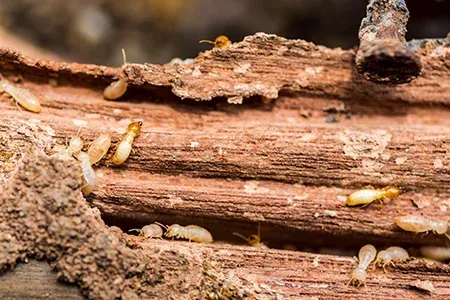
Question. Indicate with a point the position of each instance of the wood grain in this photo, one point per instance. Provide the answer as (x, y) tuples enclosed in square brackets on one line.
[(231, 167), (35, 280)]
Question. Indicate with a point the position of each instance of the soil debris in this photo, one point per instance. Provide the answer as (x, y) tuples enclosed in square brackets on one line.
[(44, 215)]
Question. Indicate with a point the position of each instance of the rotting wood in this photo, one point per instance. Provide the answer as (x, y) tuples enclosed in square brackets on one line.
[(383, 55), (178, 151), (262, 65), (108, 264), (125, 193), (49, 219), (323, 276), (36, 281), (309, 154)]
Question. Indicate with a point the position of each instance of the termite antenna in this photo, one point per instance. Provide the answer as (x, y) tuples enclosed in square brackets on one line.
[(447, 236), (350, 281), (124, 57), (240, 235), (206, 41), (134, 229), (162, 225), (79, 131)]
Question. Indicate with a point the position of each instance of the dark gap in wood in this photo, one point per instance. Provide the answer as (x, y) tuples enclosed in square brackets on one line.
[(275, 236)]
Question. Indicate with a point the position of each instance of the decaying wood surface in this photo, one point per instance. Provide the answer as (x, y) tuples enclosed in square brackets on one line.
[(36, 281), (383, 55), (276, 163)]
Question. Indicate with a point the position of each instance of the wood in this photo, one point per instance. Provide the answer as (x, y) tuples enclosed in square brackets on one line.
[(383, 55), (323, 276), (231, 167), (35, 280)]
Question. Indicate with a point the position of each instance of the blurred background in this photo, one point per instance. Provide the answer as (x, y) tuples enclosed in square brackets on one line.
[(94, 31)]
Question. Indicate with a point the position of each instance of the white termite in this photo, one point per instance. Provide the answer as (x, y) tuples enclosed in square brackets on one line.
[(438, 253), (150, 231), (88, 175), (75, 145), (125, 146), (420, 224), (391, 255), (191, 232), (99, 147), (24, 97), (366, 255), (117, 88)]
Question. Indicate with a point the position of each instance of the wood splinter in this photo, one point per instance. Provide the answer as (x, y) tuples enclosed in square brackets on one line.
[(383, 55)]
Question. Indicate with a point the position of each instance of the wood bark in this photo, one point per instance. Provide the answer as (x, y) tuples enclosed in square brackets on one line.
[(276, 163)]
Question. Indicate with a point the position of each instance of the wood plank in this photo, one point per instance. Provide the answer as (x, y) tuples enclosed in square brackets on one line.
[(35, 280)]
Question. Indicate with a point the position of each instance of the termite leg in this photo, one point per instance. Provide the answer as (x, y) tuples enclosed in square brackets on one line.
[(366, 204), (423, 234), (18, 106), (381, 203)]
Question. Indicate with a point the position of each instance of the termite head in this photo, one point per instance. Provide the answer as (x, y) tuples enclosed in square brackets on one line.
[(173, 230), (359, 276), (440, 227), (220, 42), (392, 192), (383, 258), (151, 231), (135, 127), (76, 143), (254, 240)]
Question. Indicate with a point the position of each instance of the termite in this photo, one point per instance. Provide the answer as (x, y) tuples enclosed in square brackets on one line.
[(88, 174), (99, 147), (117, 88), (367, 196), (419, 224), (253, 240), (220, 42), (191, 232), (124, 148), (75, 144), (22, 96), (365, 257), (150, 231), (390, 255), (435, 252)]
